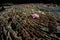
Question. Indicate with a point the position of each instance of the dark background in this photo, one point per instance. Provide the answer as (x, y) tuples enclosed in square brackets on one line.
[(30, 1)]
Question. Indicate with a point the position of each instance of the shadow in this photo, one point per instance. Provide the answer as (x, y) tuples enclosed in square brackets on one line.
[(30, 1), (2, 9)]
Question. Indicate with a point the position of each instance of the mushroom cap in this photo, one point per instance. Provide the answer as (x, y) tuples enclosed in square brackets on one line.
[(35, 15)]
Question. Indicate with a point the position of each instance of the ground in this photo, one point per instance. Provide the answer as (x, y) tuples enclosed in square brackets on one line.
[(16, 22)]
